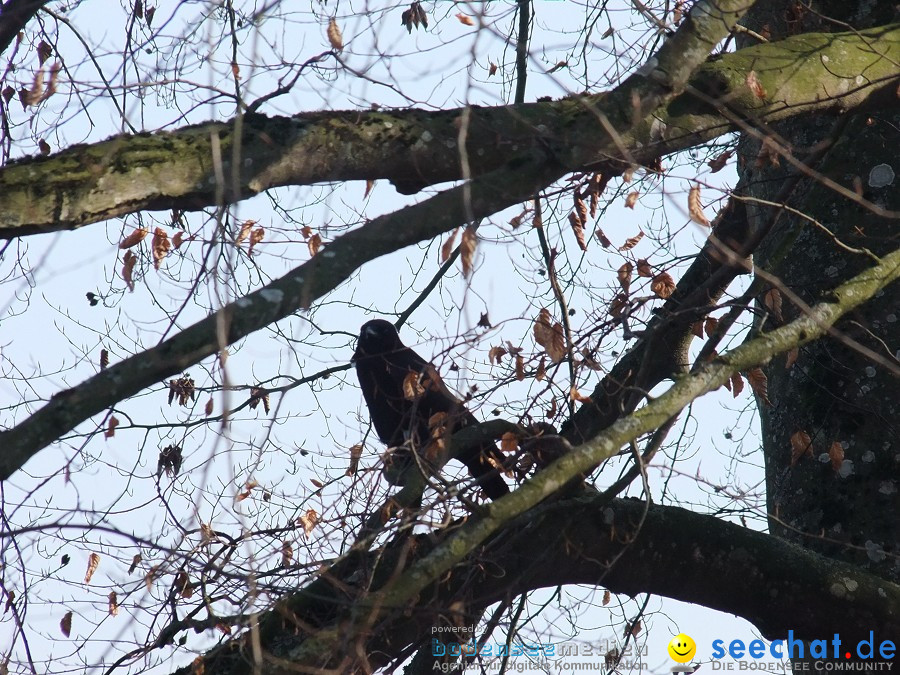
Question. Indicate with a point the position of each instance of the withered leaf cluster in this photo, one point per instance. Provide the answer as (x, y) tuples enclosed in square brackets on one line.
[(414, 16), (183, 388), (258, 394), (169, 460), (549, 335)]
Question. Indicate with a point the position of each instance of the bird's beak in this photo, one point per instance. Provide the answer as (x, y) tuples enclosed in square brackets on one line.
[(370, 331)]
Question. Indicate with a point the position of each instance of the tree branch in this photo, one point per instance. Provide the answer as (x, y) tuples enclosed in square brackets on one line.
[(590, 540), (175, 169), (14, 16)]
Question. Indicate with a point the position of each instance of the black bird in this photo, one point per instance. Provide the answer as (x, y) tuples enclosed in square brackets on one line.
[(405, 396)]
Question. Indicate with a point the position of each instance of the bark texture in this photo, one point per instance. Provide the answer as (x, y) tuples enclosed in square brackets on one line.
[(833, 392)]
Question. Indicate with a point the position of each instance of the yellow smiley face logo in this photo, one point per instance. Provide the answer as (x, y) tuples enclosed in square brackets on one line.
[(682, 648)]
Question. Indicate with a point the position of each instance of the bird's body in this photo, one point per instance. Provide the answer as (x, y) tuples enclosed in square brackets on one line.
[(407, 398)]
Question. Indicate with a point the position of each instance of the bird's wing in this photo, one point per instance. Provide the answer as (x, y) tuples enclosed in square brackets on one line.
[(388, 409)]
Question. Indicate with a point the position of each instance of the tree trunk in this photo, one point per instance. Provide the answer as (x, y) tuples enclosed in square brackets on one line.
[(845, 398)]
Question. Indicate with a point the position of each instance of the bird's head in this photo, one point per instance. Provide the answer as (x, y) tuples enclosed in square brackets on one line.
[(377, 337)]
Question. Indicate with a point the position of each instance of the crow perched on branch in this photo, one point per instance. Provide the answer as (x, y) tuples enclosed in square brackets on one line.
[(410, 406)]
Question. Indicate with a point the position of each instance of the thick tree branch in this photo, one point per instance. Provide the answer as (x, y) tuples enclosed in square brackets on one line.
[(87, 184), (670, 552), (14, 15)]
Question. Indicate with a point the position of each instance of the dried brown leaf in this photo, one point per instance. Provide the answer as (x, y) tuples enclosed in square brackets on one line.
[(632, 242), (412, 386), (644, 269), (314, 244), (355, 454), (308, 521), (161, 246), (697, 328), (44, 51), (93, 564), (551, 411), (695, 209), (550, 336), (559, 66), (113, 604), (465, 20), (604, 240), (737, 384), (369, 185), (183, 585), (509, 442), (752, 81), (34, 95), (66, 624), (581, 209), (624, 275), (772, 301), (631, 199), (520, 368), (541, 371), (287, 553), (242, 234), (791, 358), (111, 427), (447, 246), (578, 229), (151, 576), (104, 358), (256, 236), (136, 237), (801, 444), (759, 383), (135, 561), (710, 325), (44, 147), (496, 354), (618, 304), (836, 455), (663, 285), (54, 79), (769, 154), (576, 395), (718, 163), (467, 248), (335, 39)]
